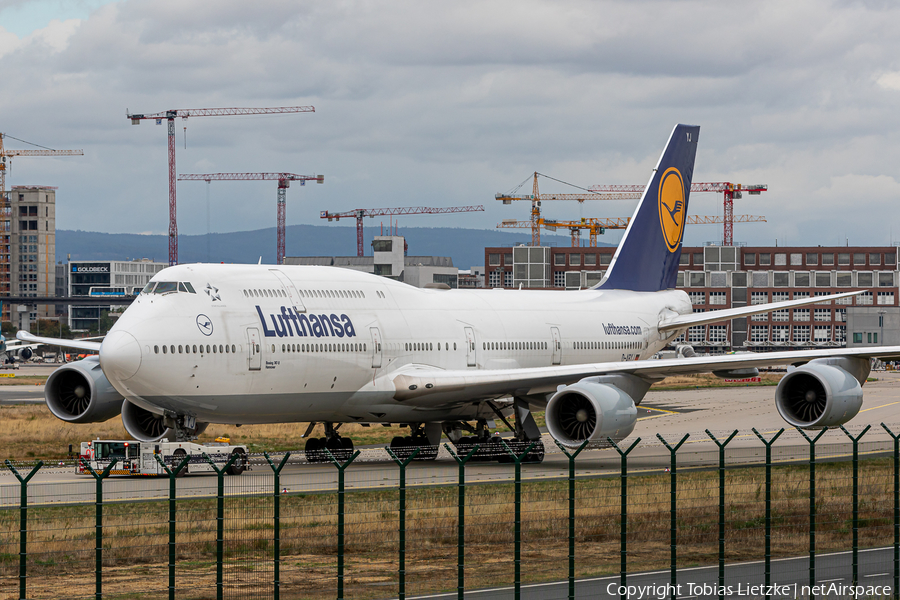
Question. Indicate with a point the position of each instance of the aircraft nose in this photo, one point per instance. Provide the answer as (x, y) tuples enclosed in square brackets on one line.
[(120, 355)]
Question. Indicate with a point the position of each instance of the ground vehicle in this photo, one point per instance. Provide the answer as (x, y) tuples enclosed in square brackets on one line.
[(139, 458)]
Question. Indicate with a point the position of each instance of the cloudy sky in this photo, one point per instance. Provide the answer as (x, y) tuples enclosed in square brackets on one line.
[(448, 103)]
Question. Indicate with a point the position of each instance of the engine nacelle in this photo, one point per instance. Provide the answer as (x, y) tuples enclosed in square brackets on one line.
[(594, 409), (24, 354), (146, 426), (79, 392), (823, 393)]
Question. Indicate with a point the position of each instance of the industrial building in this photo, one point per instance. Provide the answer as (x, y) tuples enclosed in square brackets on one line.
[(105, 278), (389, 260), (718, 277)]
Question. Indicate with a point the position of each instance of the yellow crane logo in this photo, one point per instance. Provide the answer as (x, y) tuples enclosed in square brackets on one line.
[(672, 205)]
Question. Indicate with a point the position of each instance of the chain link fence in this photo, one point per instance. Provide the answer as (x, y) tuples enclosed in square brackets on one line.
[(376, 525)]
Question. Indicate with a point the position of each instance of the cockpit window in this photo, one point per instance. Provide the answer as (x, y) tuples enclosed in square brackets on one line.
[(148, 289), (164, 287), (189, 287)]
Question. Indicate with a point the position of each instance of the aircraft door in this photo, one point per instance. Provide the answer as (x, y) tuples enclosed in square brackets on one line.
[(291, 290), (254, 343), (557, 345), (470, 347), (376, 347)]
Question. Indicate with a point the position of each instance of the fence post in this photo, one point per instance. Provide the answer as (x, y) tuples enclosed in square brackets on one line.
[(896, 439), (341, 468), (401, 559), (812, 504), (721, 446), (855, 441), (623, 534), (572, 511), (461, 519), (277, 521), (673, 522), (517, 527), (768, 557), (23, 522), (220, 522), (172, 475), (98, 527)]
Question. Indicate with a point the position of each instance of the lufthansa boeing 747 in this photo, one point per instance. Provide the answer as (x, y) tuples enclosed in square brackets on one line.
[(211, 343)]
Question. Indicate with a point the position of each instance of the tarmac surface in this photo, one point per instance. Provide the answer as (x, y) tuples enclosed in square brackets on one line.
[(670, 414)]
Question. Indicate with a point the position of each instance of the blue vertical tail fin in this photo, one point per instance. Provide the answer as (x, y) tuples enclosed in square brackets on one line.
[(648, 255)]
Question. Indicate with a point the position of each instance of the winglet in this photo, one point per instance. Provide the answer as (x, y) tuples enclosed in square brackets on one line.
[(648, 255)]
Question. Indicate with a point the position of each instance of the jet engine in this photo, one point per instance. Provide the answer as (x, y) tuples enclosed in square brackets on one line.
[(24, 354), (80, 393), (148, 426), (823, 393), (594, 409)]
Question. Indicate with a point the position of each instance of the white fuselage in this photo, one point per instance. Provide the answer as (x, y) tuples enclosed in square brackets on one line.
[(262, 344)]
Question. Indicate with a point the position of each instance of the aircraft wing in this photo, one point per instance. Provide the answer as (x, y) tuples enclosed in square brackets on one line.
[(422, 385), (78, 344), (714, 316)]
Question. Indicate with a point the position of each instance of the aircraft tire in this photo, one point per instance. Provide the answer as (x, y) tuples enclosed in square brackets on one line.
[(239, 464), (313, 450)]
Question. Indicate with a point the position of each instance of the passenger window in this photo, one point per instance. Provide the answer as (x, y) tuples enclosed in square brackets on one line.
[(220, 348), (164, 349), (179, 348), (232, 348), (194, 348), (226, 348), (207, 348), (214, 349), (156, 349)]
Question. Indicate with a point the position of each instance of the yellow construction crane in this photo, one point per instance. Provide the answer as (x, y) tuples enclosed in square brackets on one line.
[(7, 155), (536, 198), (596, 227)]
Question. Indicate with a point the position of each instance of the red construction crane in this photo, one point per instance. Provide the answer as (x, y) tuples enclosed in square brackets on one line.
[(730, 191), (536, 197), (284, 182), (359, 213), (169, 116)]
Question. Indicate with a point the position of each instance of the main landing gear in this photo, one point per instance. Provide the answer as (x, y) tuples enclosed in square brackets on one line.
[(426, 437), (490, 447), (340, 447)]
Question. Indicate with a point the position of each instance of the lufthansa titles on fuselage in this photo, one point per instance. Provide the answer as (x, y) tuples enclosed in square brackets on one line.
[(613, 329), (289, 324)]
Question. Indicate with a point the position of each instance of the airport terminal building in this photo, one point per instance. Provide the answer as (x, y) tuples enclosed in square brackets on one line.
[(718, 277), (105, 278), (389, 260)]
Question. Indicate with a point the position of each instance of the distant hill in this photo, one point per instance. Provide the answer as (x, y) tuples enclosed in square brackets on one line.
[(464, 246)]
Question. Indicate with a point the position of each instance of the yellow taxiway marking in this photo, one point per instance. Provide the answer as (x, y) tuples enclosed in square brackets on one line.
[(880, 406), (660, 410)]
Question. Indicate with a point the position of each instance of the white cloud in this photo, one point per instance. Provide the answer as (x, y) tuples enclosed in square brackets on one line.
[(889, 81), (448, 103)]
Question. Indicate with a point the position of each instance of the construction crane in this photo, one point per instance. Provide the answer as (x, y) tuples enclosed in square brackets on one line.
[(9, 154), (597, 227), (284, 182), (731, 191), (359, 213), (169, 116), (536, 198)]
